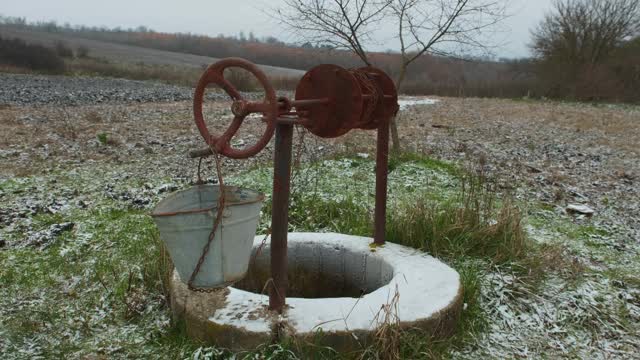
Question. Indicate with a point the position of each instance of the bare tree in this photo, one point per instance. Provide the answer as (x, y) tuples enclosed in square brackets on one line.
[(586, 31), (445, 27), (574, 42), (343, 24), (440, 27)]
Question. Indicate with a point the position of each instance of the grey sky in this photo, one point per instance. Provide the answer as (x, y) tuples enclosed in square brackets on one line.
[(214, 17)]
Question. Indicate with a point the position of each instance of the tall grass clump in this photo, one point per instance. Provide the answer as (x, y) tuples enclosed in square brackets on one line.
[(242, 80), (466, 218), (473, 222), (140, 71), (63, 50)]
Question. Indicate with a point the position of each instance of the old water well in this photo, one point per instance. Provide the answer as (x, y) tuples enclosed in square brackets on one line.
[(297, 284)]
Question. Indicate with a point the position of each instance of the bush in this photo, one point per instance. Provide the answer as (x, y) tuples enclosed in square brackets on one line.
[(82, 52), (63, 50), (18, 53)]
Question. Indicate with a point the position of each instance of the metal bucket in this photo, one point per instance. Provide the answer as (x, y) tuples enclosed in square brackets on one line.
[(185, 220)]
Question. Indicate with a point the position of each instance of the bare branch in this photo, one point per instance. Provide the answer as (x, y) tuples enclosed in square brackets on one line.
[(586, 31), (346, 24), (436, 24), (439, 27)]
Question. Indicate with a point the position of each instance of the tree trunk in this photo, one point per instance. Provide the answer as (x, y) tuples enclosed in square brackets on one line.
[(395, 139)]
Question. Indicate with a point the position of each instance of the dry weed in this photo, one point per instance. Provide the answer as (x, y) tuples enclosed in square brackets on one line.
[(388, 333), (93, 116)]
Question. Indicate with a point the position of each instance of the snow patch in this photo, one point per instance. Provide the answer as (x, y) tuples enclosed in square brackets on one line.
[(406, 102)]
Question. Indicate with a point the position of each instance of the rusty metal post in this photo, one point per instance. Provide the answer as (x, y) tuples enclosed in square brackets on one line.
[(382, 168), (280, 215)]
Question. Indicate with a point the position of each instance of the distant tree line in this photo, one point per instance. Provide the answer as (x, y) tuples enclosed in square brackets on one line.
[(575, 56), (20, 54), (431, 74)]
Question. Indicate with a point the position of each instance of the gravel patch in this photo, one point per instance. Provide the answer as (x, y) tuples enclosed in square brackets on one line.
[(555, 158), (20, 89)]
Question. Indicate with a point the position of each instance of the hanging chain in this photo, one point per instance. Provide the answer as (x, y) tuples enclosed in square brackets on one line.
[(221, 205), (216, 223), (259, 249), (199, 181)]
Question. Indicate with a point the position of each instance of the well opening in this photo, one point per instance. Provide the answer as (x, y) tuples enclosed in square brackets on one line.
[(317, 270)]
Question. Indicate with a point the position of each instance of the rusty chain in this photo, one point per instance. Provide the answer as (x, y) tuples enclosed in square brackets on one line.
[(221, 205), (371, 87), (216, 223)]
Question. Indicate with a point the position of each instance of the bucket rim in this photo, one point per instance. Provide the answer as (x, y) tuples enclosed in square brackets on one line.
[(260, 197)]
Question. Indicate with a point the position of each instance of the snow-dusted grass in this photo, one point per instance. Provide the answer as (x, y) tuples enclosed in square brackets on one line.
[(434, 206), (338, 194), (89, 292), (97, 290)]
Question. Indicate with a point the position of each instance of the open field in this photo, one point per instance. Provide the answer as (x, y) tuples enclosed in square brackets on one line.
[(81, 271), (119, 53)]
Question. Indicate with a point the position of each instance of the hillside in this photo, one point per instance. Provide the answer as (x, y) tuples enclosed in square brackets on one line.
[(428, 75), (115, 52)]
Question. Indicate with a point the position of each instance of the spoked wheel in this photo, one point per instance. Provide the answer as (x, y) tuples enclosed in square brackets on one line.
[(240, 108)]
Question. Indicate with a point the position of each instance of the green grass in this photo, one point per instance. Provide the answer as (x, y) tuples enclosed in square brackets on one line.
[(465, 220), (109, 271), (397, 159), (433, 206), (102, 138), (311, 213), (587, 234), (468, 225), (15, 185), (101, 288)]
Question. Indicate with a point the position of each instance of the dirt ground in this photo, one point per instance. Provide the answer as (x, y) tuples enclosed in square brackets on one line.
[(557, 153), (549, 155)]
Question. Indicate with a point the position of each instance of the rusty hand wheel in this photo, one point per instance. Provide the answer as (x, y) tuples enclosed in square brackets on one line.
[(240, 108)]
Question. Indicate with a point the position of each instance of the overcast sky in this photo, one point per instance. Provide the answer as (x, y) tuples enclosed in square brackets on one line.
[(213, 17)]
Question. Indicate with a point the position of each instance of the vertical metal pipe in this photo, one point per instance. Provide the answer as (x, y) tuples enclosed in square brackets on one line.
[(280, 215), (382, 167)]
